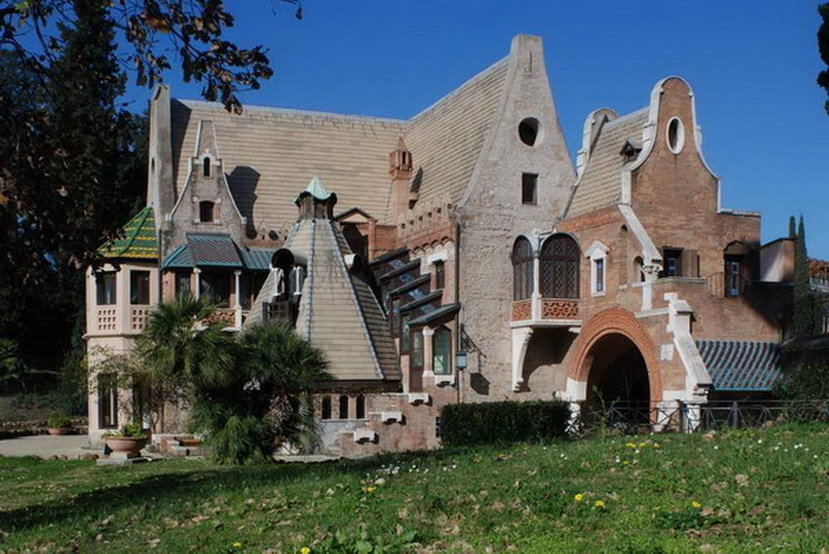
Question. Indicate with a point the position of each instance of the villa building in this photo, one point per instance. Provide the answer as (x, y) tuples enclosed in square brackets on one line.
[(457, 256)]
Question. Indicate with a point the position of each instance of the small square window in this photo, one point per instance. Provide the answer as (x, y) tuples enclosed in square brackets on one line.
[(529, 188), (207, 212)]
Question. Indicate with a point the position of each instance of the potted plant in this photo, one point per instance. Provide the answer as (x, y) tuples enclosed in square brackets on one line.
[(59, 424), (128, 442)]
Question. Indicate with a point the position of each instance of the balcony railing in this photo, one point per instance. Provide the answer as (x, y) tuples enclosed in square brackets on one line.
[(546, 309)]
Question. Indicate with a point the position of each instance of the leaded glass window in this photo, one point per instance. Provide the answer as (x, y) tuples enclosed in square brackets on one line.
[(522, 266), (559, 261)]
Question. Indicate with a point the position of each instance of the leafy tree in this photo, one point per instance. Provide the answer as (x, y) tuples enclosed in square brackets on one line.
[(71, 170), (823, 46)]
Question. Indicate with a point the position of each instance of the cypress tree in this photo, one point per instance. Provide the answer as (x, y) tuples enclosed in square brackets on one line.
[(792, 228), (803, 320)]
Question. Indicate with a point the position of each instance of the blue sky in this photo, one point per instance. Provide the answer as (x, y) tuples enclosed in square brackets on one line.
[(752, 66)]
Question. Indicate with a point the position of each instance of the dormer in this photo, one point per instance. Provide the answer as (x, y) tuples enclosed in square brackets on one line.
[(206, 203)]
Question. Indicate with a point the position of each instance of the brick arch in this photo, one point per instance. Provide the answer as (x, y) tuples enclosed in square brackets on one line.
[(619, 322)]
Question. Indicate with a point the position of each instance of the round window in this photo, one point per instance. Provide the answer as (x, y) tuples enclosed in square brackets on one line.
[(528, 131), (676, 135)]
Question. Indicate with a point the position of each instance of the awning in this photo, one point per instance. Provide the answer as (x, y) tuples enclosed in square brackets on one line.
[(741, 365)]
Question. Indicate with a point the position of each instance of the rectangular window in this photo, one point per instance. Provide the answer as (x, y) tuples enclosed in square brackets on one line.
[(417, 349), (732, 277), (440, 275), (105, 288), (529, 186), (405, 336), (672, 258), (140, 287), (215, 288), (183, 283), (107, 401), (599, 269)]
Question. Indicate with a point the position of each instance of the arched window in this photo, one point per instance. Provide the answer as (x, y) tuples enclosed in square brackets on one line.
[(522, 267), (206, 166), (559, 259), (442, 351), (361, 407), (638, 267), (207, 211), (326, 407), (343, 407)]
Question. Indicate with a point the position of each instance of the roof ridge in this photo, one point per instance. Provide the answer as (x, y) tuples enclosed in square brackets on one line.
[(296, 112), (460, 88)]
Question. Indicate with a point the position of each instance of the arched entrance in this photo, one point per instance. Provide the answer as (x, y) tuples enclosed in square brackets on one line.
[(618, 374)]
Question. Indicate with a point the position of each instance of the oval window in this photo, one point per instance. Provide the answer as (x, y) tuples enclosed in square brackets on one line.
[(528, 131), (676, 135)]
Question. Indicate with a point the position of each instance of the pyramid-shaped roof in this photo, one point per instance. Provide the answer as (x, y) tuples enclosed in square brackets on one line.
[(139, 240)]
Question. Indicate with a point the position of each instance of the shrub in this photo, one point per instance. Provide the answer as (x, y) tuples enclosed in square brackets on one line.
[(59, 421), (503, 422)]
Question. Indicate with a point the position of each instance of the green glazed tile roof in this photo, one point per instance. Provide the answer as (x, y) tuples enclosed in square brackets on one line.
[(741, 365), (139, 240)]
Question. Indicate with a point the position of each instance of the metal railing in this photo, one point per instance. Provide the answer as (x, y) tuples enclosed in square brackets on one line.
[(643, 418)]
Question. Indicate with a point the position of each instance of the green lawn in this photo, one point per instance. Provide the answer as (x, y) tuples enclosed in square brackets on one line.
[(740, 491)]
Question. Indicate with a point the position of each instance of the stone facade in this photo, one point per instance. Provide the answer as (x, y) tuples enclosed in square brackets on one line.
[(466, 230)]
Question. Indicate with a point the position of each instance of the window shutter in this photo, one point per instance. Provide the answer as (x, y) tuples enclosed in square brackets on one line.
[(690, 263)]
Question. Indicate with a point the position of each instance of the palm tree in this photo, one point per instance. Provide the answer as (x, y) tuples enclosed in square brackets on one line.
[(179, 350)]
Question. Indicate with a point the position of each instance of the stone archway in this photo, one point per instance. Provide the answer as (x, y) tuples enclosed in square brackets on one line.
[(615, 352), (618, 374)]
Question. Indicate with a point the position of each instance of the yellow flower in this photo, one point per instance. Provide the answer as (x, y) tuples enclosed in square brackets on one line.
[(370, 489), (304, 550), (630, 445), (579, 497), (643, 444), (696, 505), (599, 504), (237, 544)]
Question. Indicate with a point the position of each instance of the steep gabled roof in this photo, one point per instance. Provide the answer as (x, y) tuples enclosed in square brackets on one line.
[(267, 151), (139, 240), (600, 185), (446, 139)]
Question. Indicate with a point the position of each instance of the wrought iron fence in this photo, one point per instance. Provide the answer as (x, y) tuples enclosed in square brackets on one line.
[(678, 416)]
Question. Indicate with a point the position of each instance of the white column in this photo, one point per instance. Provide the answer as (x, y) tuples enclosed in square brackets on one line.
[(428, 350), (237, 275), (535, 303), (197, 291), (520, 341)]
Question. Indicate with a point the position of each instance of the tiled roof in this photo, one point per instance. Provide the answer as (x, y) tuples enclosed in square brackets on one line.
[(269, 152), (440, 313), (338, 311), (209, 249), (601, 184), (179, 258), (217, 250), (446, 138), (741, 365), (258, 259), (139, 239)]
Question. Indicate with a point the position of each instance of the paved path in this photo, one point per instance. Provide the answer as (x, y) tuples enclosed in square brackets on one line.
[(46, 446)]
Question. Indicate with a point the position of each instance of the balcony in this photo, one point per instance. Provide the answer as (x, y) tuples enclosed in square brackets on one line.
[(546, 312)]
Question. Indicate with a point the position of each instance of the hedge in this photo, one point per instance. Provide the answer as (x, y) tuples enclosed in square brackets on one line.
[(503, 422)]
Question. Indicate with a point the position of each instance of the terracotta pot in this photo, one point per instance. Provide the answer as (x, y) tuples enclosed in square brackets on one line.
[(58, 430), (126, 446)]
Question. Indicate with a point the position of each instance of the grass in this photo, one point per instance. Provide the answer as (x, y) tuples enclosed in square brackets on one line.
[(740, 491)]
